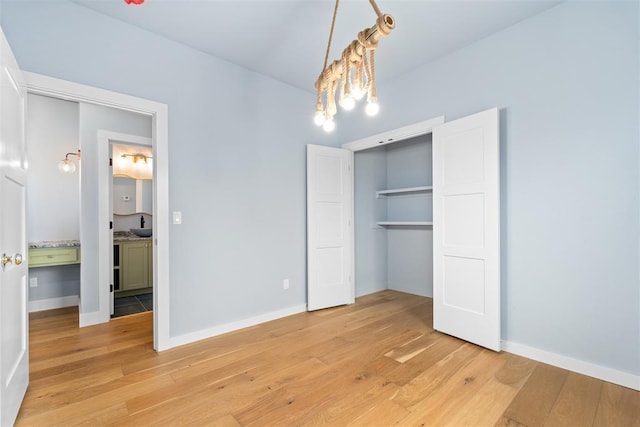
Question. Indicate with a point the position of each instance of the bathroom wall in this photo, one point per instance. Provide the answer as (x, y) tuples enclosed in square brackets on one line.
[(53, 198), (127, 222), (132, 199)]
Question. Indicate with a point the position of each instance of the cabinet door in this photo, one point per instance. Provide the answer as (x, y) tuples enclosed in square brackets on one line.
[(135, 265), (150, 264)]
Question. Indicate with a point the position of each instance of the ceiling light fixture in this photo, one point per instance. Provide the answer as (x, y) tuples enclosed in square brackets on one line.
[(354, 74), (66, 165)]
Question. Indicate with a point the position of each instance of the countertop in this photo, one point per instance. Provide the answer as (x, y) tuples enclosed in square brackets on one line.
[(118, 236), (127, 236), (54, 244)]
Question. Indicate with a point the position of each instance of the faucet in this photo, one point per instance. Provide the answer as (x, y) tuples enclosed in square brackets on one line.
[(141, 221)]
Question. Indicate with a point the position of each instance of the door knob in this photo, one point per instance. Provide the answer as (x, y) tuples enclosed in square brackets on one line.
[(6, 260), (17, 259)]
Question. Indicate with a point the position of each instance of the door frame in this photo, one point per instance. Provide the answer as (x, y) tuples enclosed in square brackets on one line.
[(105, 213), (62, 89), (396, 135)]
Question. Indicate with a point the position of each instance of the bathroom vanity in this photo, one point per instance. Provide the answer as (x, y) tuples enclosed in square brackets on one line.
[(53, 253), (132, 262)]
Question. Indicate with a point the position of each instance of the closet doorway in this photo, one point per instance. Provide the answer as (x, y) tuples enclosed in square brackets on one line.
[(464, 217)]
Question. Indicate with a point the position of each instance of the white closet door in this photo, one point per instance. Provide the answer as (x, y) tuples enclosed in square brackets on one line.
[(329, 227), (466, 229)]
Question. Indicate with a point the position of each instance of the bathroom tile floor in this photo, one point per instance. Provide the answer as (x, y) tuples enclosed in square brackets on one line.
[(132, 305)]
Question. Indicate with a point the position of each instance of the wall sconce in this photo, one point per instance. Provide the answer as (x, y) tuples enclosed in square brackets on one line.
[(66, 165)]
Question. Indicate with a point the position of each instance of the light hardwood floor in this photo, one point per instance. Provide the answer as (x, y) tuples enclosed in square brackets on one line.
[(375, 363)]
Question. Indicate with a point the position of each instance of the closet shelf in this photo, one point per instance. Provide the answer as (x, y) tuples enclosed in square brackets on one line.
[(405, 223), (399, 191)]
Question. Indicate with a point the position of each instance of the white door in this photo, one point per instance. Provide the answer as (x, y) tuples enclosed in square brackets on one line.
[(14, 349), (329, 227), (466, 229), (110, 247)]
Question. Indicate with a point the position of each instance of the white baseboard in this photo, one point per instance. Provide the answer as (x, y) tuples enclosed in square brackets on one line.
[(614, 376), (53, 303), (234, 326)]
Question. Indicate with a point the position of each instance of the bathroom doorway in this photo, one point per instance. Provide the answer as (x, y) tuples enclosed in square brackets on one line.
[(131, 217)]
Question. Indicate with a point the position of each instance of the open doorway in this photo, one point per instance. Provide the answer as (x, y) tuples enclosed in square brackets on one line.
[(131, 196), (94, 230)]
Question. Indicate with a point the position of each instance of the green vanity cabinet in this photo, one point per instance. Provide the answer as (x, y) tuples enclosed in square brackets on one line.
[(51, 256), (135, 266)]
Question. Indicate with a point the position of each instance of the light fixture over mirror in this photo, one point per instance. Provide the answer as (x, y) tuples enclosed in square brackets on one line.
[(132, 161), (135, 158), (67, 165)]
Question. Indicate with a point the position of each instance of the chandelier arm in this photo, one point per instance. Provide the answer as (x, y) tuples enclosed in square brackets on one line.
[(343, 80), (373, 95), (333, 24), (375, 7)]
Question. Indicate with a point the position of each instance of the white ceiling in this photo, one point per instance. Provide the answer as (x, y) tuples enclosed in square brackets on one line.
[(287, 39)]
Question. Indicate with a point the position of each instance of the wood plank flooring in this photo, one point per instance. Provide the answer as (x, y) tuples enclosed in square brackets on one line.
[(377, 362)]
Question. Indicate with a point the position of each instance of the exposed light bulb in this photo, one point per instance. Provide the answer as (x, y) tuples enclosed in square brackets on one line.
[(319, 118), (66, 166), (372, 108), (357, 92), (347, 102), (329, 125)]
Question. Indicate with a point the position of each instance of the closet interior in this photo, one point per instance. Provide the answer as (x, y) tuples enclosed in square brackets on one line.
[(393, 213)]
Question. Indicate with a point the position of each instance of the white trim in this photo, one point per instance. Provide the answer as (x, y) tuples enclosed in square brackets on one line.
[(614, 376), (234, 326), (399, 134), (91, 318), (159, 113), (53, 303)]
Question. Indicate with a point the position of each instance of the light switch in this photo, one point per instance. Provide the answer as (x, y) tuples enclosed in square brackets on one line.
[(177, 217)]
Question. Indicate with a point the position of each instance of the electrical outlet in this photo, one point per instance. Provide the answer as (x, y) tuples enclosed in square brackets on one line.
[(285, 284), (33, 282)]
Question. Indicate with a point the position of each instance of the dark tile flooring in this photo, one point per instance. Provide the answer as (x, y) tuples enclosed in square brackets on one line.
[(132, 305)]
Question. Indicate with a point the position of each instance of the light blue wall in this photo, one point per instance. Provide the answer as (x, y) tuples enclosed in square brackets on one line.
[(55, 282), (53, 198), (399, 258), (410, 249), (93, 118), (237, 156), (370, 175), (567, 84)]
